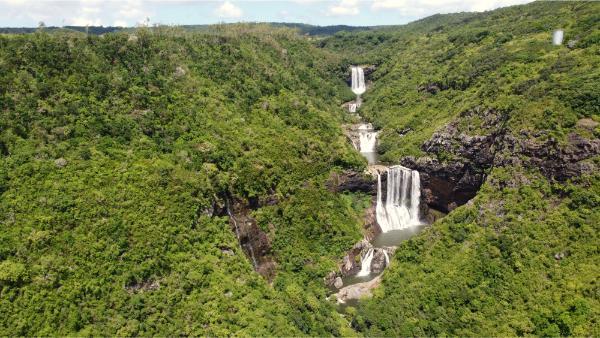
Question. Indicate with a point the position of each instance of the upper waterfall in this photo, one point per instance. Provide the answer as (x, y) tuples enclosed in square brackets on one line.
[(358, 80), (401, 207)]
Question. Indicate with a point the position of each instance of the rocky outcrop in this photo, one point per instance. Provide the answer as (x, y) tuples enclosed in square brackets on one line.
[(254, 242), (358, 290), (351, 181), (444, 186), (554, 160), (379, 262), (457, 161)]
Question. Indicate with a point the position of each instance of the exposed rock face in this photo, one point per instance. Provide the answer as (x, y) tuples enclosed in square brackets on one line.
[(379, 263), (60, 162), (351, 181), (457, 163), (255, 242), (358, 290), (452, 182), (444, 186), (351, 262), (371, 228), (338, 283), (555, 161)]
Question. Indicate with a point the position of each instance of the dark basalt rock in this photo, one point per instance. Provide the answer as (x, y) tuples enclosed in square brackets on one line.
[(378, 264), (444, 186), (457, 163), (560, 162), (254, 242), (351, 181)]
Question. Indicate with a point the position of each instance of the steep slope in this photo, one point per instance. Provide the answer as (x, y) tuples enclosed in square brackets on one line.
[(484, 105), (119, 154)]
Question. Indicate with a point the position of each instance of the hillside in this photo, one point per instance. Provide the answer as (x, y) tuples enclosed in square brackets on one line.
[(198, 181), (119, 156), (484, 106)]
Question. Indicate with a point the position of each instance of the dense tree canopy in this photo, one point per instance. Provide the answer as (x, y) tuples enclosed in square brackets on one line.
[(116, 150)]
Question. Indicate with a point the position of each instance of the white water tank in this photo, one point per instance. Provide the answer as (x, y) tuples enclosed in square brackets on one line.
[(557, 37)]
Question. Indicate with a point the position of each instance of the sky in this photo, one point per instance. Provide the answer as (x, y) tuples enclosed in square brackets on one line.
[(29, 13)]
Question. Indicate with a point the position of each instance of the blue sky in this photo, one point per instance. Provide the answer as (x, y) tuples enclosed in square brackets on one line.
[(26, 13)]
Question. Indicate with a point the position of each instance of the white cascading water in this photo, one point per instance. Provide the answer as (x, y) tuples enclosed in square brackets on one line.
[(368, 138), (387, 258), (352, 107), (358, 80), (557, 37), (365, 264), (401, 207)]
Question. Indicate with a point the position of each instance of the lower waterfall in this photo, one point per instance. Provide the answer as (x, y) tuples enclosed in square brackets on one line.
[(365, 264), (401, 207), (387, 258)]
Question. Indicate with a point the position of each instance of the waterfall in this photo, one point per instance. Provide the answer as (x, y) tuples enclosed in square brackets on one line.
[(387, 258), (352, 107), (401, 207), (358, 80), (235, 224), (368, 138), (557, 38), (365, 264)]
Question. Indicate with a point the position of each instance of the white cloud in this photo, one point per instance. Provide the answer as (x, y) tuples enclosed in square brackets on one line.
[(344, 8), (74, 12), (428, 7), (228, 10), (84, 21), (120, 23)]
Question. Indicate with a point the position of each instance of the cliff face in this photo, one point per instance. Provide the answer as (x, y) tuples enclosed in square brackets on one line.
[(456, 163), (254, 242)]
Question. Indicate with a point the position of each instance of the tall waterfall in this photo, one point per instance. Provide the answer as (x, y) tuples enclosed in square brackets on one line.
[(401, 207), (365, 263), (557, 37), (368, 138), (358, 80)]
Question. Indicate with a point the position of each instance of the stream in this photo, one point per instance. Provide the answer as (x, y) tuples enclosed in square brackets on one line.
[(397, 207)]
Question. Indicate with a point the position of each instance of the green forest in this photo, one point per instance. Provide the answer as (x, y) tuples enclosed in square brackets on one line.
[(121, 152)]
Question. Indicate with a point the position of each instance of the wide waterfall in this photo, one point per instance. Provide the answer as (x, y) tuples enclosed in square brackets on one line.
[(401, 207), (367, 138), (365, 264), (358, 80)]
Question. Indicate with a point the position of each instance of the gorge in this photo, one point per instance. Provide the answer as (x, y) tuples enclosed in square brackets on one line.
[(439, 178), (399, 210)]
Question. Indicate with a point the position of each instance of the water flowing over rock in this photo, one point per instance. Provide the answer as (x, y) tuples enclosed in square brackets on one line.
[(367, 138), (365, 264), (352, 107), (358, 80), (254, 242), (403, 194)]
